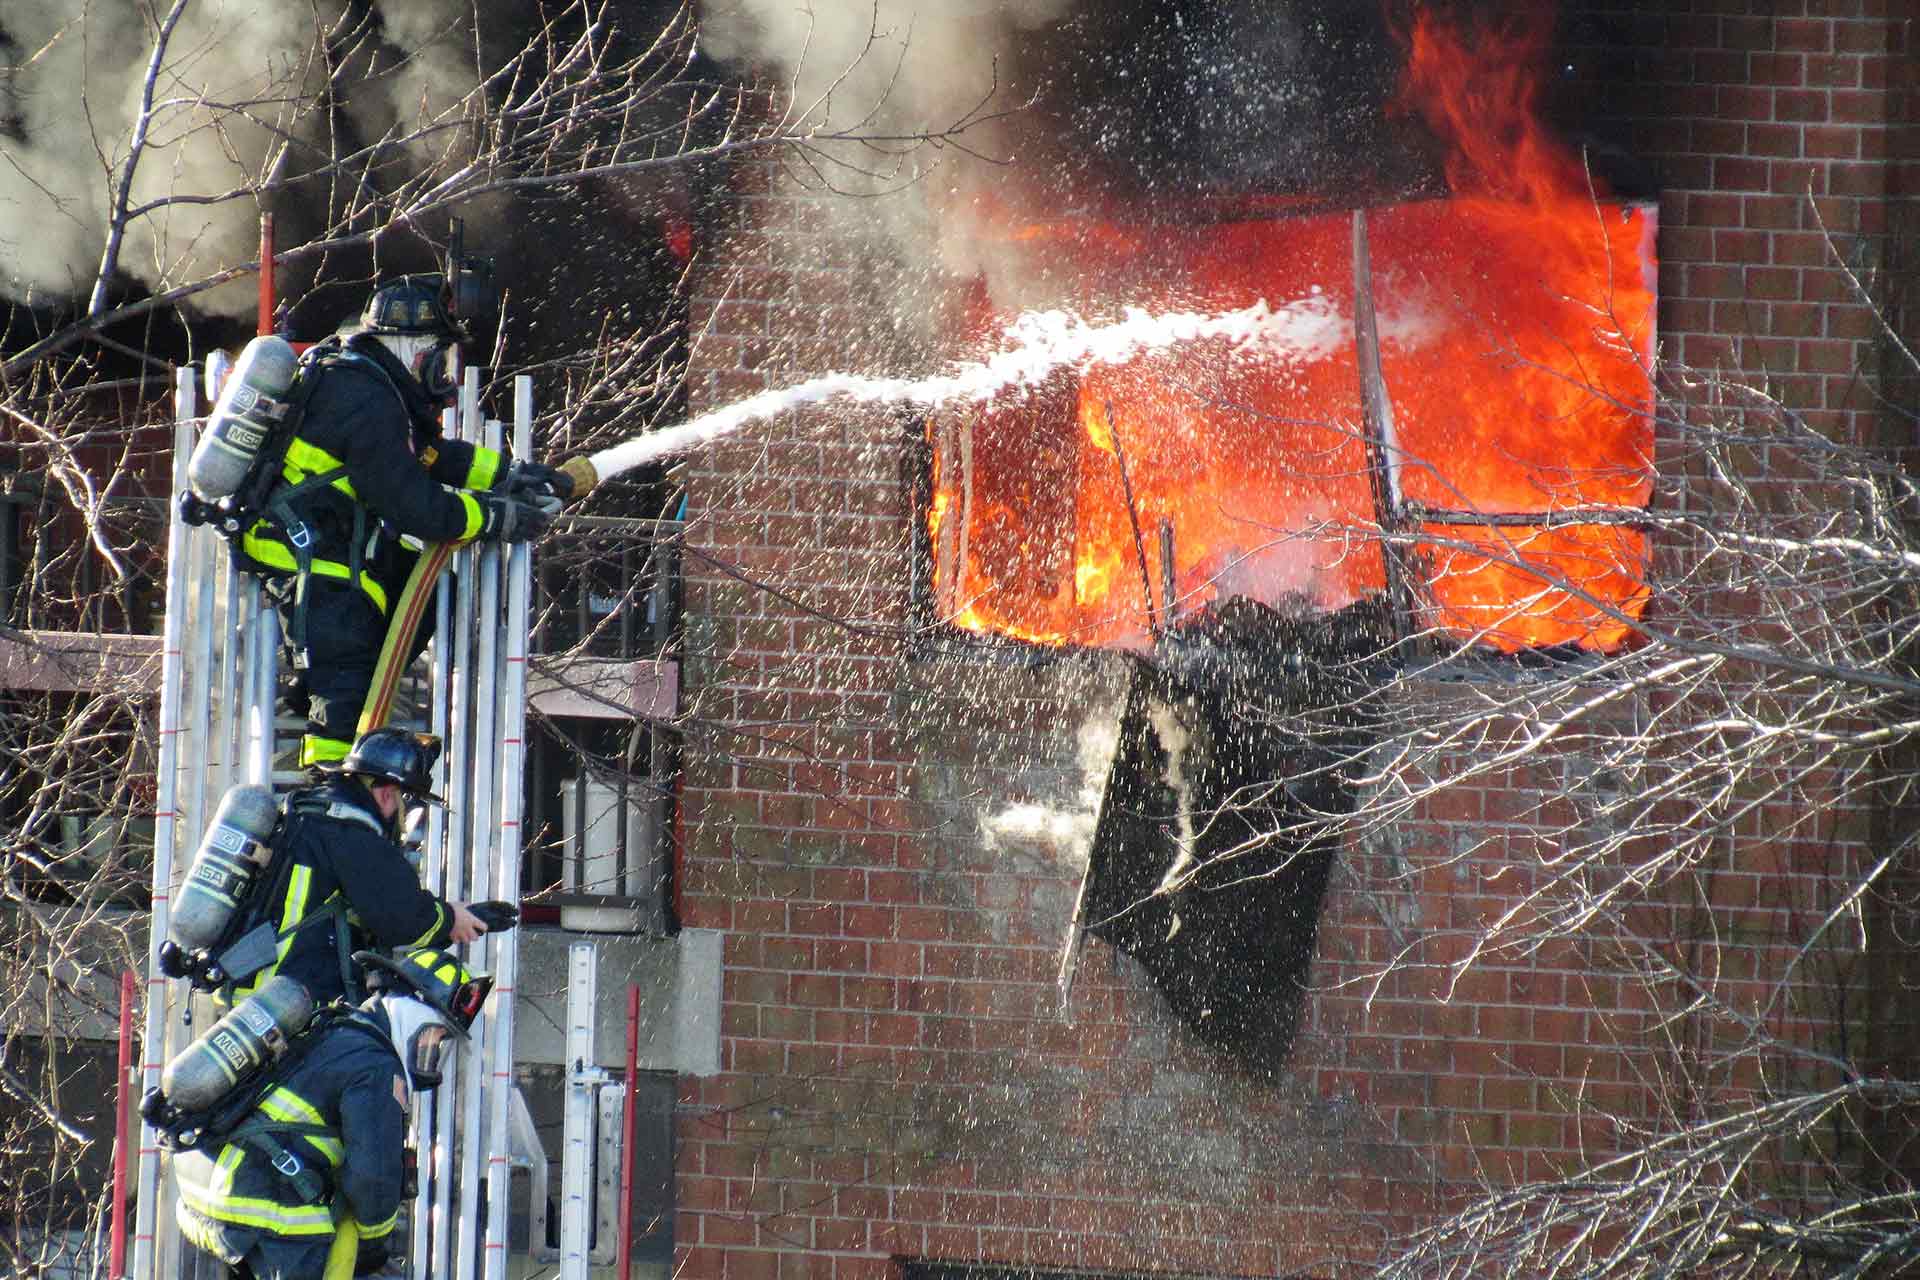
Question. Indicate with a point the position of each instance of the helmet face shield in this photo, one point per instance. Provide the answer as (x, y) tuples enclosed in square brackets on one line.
[(468, 998), (420, 1037)]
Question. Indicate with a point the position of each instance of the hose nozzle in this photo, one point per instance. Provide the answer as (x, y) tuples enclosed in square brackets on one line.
[(581, 472)]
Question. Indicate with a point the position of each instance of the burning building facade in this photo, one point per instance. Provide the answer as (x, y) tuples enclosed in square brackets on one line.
[(1150, 812)]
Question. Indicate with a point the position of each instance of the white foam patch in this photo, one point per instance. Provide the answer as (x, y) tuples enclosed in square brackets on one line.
[(1064, 831)]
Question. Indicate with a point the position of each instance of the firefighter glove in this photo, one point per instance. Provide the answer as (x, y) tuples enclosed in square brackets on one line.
[(515, 518), (497, 916), (538, 479)]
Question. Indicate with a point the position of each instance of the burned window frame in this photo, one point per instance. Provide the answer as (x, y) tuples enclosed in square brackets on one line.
[(1399, 520)]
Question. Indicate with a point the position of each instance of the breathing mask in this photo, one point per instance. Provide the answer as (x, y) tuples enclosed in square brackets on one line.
[(420, 1036), (433, 359)]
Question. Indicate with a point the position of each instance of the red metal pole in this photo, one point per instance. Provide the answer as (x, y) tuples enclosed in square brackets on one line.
[(626, 1132), (117, 1255), (265, 323)]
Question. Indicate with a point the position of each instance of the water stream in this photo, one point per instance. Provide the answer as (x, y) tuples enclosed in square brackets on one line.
[(1035, 344)]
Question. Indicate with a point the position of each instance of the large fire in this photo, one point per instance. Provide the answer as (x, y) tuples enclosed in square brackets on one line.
[(1515, 333)]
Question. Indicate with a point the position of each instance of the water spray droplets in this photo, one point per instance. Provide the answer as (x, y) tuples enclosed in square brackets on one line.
[(1037, 343)]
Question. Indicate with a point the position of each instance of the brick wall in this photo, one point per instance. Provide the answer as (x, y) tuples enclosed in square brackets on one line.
[(897, 1080), (1781, 131)]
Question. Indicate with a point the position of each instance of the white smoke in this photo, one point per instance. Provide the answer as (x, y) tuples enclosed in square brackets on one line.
[(903, 68), (234, 101), (901, 64), (1063, 831)]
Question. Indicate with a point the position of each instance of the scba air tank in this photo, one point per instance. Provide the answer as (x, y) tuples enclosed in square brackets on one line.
[(253, 400), (253, 1033), (231, 854)]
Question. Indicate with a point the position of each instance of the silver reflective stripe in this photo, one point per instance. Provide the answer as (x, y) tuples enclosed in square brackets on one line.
[(354, 813)]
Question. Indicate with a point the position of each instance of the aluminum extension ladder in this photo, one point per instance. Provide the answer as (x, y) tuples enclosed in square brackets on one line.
[(218, 727)]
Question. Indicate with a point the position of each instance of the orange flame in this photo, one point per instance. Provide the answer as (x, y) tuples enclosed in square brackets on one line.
[(1516, 330), (1479, 92)]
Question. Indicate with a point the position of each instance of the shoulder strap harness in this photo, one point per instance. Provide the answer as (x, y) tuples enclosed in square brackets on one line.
[(277, 502), (266, 1137)]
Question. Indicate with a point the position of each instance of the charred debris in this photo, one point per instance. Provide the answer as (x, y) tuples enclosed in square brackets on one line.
[(1240, 751)]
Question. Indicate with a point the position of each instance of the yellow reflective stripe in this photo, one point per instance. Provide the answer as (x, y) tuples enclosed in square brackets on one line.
[(439, 918), (316, 750), (276, 554), (284, 1104), (299, 885), (216, 1200), (474, 518), (252, 1211), (448, 971), (485, 468), (379, 1229), (304, 460)]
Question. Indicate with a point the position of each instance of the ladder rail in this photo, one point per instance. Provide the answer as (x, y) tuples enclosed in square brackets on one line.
[(460, 745), (433, 1114), (483, 763), (506, 887), (147, 1213), (577, 1135)]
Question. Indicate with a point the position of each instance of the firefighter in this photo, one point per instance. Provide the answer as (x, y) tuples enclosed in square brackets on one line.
[(366, 480), (348, 882), (309, 1183)]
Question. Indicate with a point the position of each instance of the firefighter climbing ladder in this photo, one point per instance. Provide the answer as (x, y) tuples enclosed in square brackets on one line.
[(218, 727)]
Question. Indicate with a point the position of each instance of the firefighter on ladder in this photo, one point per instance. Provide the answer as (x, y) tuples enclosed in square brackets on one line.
[(366, 480), (310, 1183), (348, 883)]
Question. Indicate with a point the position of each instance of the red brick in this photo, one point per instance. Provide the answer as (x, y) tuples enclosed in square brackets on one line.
[(1825, 286), (752, 1264), (1866, 180), (1781, 140), (1802, 249), (1765, 283), (1542, 1060), (1807, 106), (1810, 35), (1774, 213), (1738, 173), (1834, 72), (1711, 282), (1781, 70), (1835, 142), (1798, 177), (1826, 357), (1858, 107), (1681, 315), (1719, 137), (1861, 37), (1743, 102), (1797, 320), (1851, 322)]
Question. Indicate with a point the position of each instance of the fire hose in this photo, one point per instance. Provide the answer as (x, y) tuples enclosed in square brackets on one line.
[(395, 650)]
